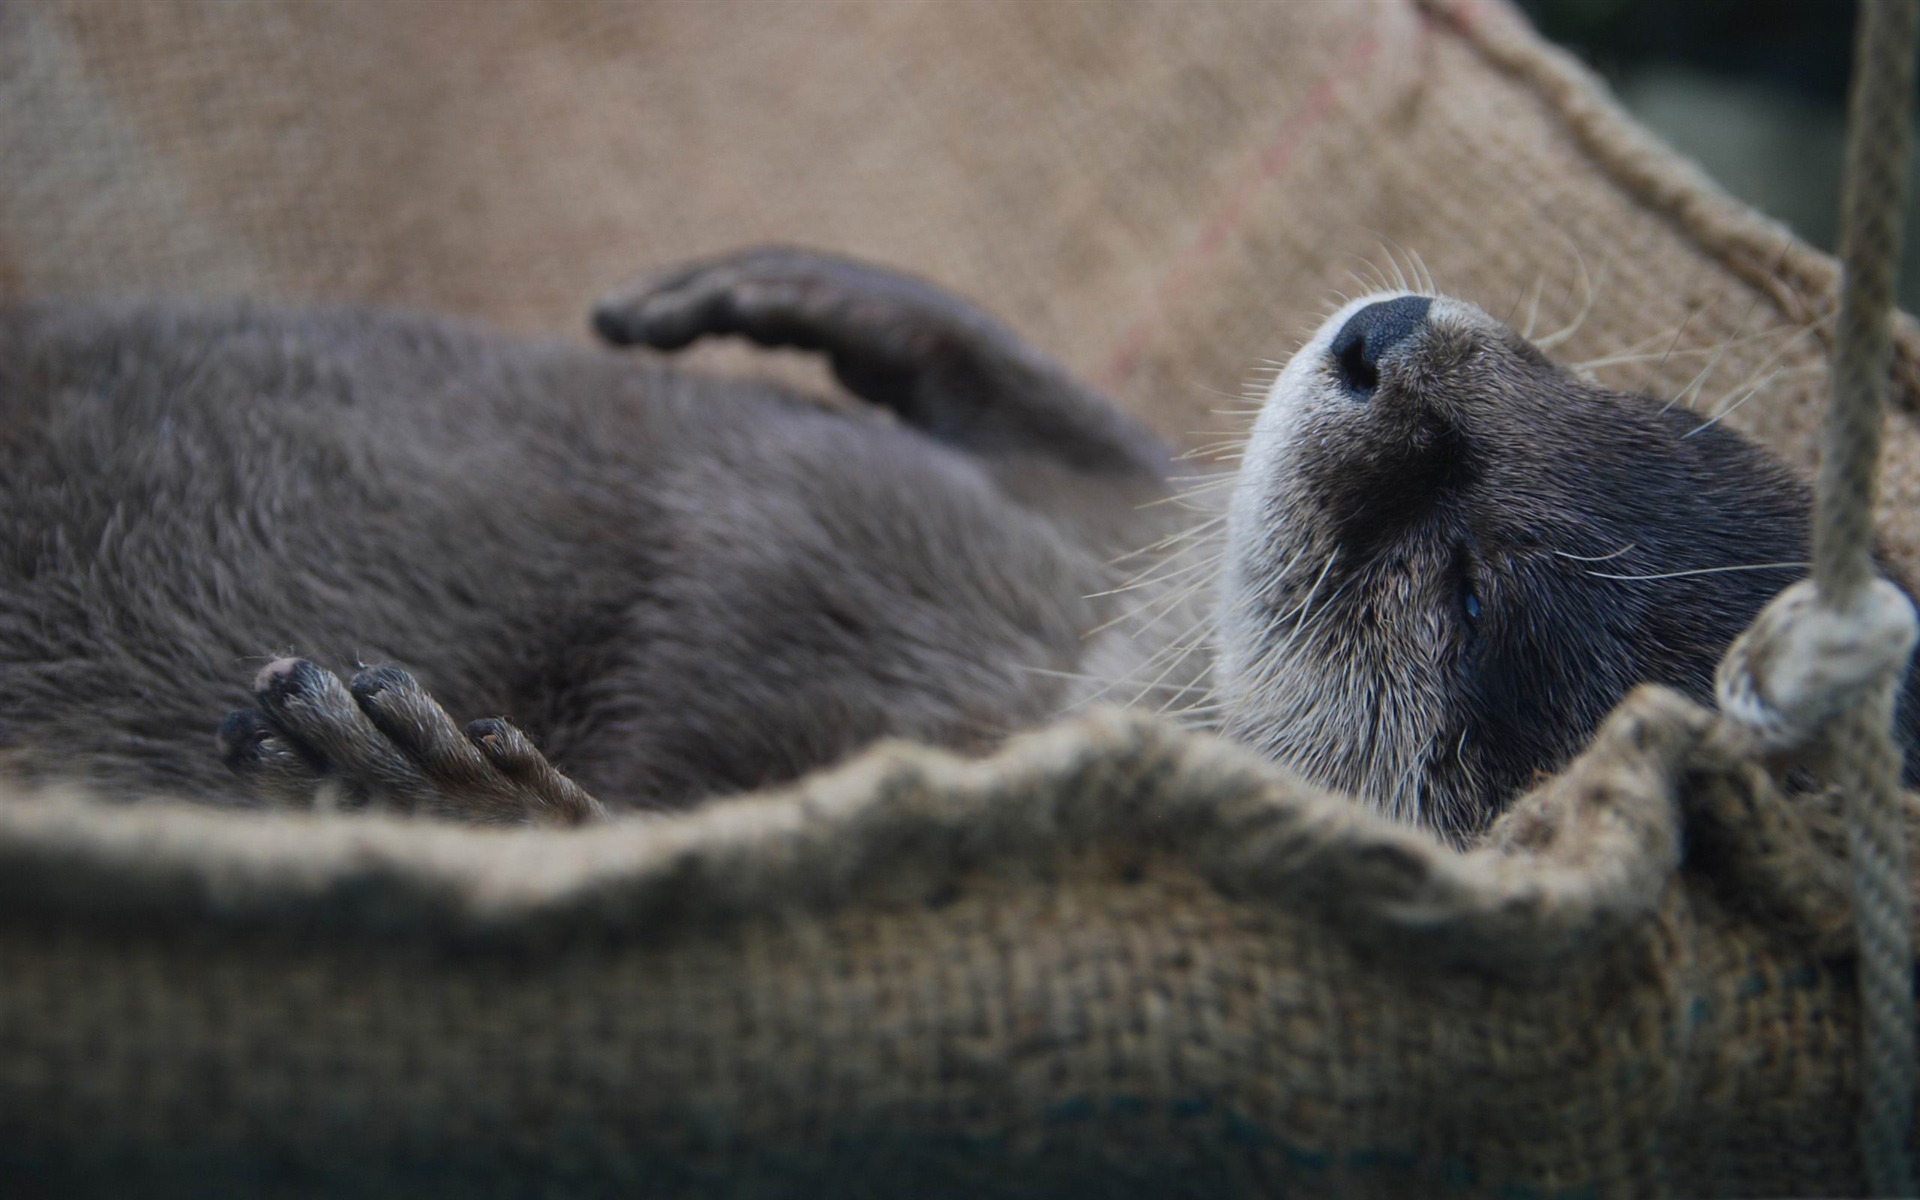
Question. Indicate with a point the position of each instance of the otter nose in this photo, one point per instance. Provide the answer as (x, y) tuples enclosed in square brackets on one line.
[(1367, 336)]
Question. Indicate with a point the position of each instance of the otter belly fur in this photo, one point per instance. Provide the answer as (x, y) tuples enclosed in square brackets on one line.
[(1445, 558)]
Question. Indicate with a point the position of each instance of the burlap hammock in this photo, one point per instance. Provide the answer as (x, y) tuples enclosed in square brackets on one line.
[(1115, 959)]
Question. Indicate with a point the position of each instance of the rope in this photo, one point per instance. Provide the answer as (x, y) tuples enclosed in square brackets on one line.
[(1866, 765), (1821, 665)]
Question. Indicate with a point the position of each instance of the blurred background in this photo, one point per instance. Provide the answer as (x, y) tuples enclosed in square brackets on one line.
[(1166, 194), (1755, 91)]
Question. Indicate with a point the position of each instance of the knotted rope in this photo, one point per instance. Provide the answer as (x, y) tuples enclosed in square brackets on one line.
[(1822, 665)]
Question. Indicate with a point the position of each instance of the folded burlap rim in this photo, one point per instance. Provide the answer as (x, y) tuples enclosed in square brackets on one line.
[(1803, 281), (1586, 854)]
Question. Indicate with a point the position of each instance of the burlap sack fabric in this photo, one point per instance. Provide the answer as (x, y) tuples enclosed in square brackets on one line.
[(1117, 959)]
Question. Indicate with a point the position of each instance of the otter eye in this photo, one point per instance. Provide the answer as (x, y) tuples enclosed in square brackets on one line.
[(1463, 577)]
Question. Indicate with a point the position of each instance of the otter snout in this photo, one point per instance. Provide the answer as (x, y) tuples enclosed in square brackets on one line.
[(1369, 335)]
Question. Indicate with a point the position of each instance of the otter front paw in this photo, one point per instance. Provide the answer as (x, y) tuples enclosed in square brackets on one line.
[(383, 742), (937, 361), (881, 330)]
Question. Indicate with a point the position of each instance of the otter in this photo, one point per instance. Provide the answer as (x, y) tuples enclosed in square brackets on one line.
[(678, 586), (1445, 557)]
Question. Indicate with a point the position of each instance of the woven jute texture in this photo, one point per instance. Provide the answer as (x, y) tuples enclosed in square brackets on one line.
[(1115, 960)]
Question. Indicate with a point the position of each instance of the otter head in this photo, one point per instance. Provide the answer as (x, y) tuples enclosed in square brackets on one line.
[(1448, 558)]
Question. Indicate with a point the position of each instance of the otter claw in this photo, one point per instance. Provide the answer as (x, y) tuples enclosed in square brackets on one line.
[(381, 740)]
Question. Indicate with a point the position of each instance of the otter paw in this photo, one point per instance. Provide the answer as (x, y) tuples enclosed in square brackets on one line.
[(382, 741), (879, 328)]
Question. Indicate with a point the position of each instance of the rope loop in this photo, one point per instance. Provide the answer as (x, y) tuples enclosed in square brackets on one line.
[(1805, 661)]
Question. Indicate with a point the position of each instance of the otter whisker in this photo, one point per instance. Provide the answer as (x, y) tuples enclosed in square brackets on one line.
[(1362, 286), (1421, 282), (1080, 677), (1506, 318), (1414, 763), (1415, 272), (1198, 716), (1400, 275), (1217, 452), (1209, 700), (1202, 689), (1749, 393), (1647, 349), (1302, 614), (1635, 352), (1208, 483), (1685, 395), (1171, 646), (1713, 363), (1201, 629), (1223, 450), (1399, 279), (1601, 558), (1137, 584), (1533, 304), (1189, 533), (1374, 268), (1679, 333), (1586, 305), (1214, 391), (1182, 689), (1779, 566), (1222, 436), (1196, 638), (1633, 355), (1164, 605), (1185, 591), (1763, 375), (1432, 288), (1155, 608), (1227, 479), (1196, 539), (1378, 281), (1210, 449)]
